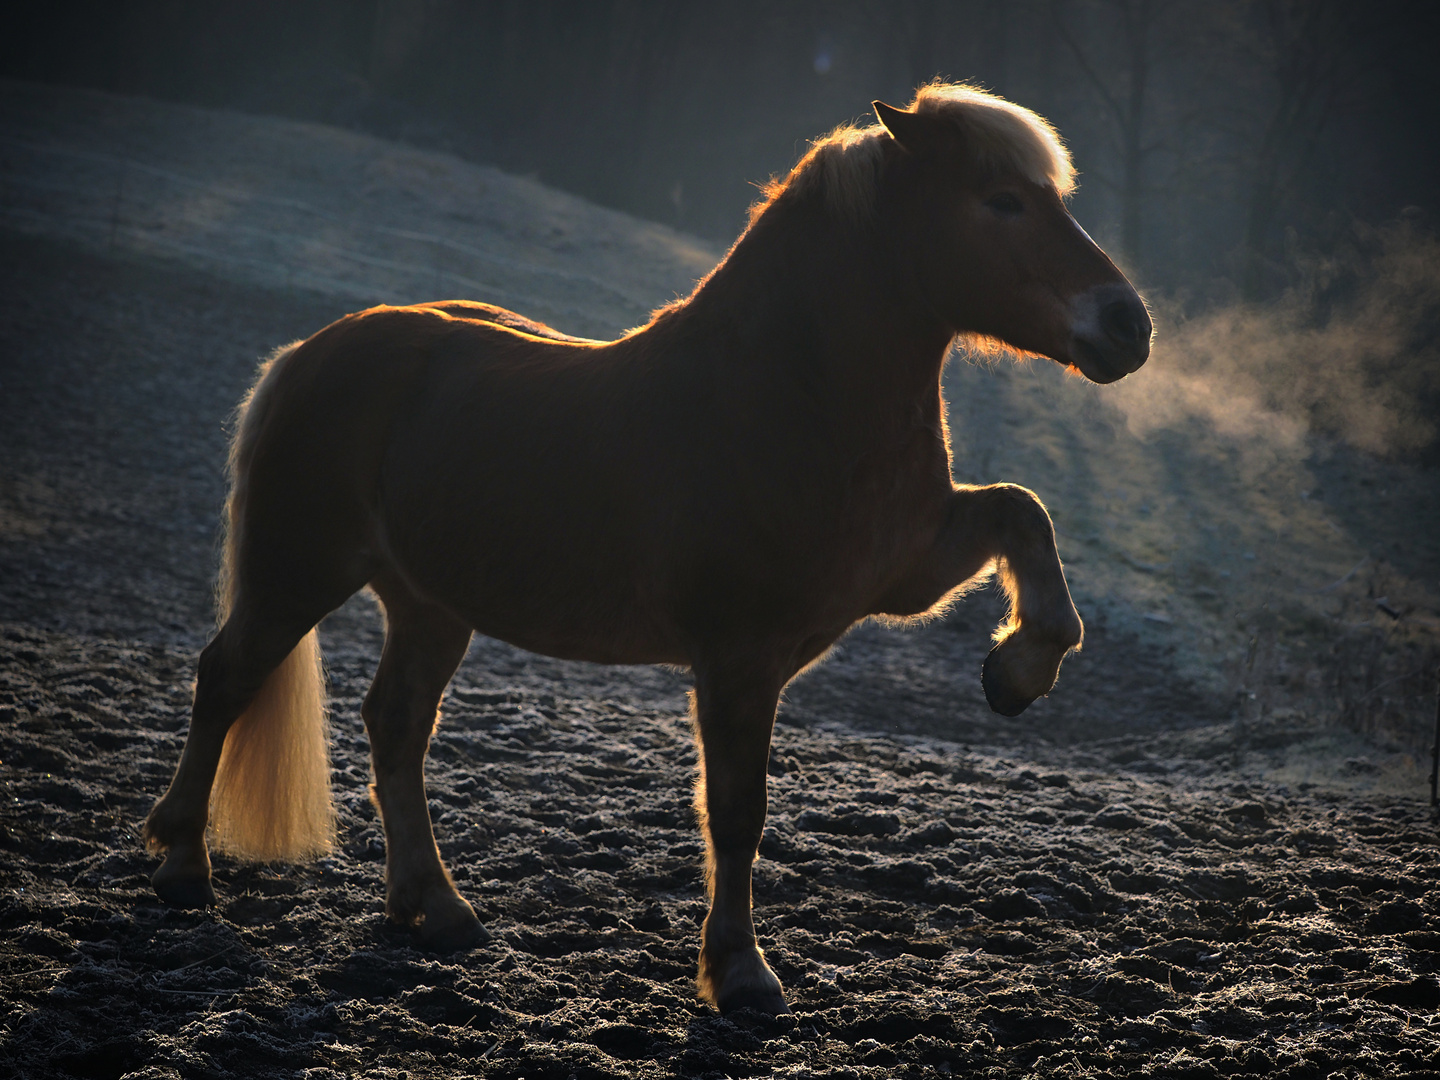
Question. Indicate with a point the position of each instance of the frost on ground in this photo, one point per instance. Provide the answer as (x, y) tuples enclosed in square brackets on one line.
[(1163, 869), (932, 909)]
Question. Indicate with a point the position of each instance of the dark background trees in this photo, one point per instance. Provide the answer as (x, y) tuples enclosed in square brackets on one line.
[(1206, 131)]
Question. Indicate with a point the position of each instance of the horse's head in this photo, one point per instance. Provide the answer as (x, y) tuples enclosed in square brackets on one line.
[(981, 186)]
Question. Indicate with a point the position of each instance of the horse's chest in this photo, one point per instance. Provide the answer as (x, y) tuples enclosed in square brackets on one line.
[(894, 504)]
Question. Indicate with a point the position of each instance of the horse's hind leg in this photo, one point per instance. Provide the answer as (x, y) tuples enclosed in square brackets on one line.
[(232, 669), (423, 646), (734, 714)]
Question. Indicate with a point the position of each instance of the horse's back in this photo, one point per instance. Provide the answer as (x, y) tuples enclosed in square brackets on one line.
[(498, 316), (355, 379)]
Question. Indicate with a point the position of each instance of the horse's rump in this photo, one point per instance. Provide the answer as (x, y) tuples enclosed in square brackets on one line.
[(487, 464)]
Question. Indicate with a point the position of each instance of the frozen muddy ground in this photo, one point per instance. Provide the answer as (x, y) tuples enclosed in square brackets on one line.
[(1138, 877)]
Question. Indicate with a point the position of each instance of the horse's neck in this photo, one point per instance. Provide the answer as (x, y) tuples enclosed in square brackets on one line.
[(833, 308)]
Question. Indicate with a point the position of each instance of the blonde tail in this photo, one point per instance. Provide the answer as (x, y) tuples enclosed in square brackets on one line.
[(271, 798)]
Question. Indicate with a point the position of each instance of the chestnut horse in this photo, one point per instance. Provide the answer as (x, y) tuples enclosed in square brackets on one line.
[(728, 488)]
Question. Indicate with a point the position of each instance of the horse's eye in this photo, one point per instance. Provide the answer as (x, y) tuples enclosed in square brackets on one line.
[(1004, 203)]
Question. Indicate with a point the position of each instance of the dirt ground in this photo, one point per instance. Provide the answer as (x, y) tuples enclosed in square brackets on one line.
[(1177, 865)]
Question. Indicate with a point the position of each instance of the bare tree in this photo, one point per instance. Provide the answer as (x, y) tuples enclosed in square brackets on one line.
[(946, 38), (915, 32), (1123, 94), (1305, 43)]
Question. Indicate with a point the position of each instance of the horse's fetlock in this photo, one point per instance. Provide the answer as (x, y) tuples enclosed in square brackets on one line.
[(164, 827), (448, 922), (706, 983), (183, 878), (154, 833), (155, 842), (1073, 632), (414, 900), (404, 904)]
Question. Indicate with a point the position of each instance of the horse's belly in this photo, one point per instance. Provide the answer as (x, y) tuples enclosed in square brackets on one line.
[(564, 588), (622, 645), (600, 615)]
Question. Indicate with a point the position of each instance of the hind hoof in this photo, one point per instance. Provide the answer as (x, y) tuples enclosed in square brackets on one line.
[(762, 1000), (187, 893), (1000, 695)]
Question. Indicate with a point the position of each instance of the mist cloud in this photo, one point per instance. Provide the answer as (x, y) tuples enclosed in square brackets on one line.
[(1351, 351)]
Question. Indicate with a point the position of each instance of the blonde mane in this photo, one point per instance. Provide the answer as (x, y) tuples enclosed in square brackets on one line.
[(844, 166)]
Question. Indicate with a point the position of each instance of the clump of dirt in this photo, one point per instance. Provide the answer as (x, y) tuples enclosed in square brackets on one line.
[(1151, 872)]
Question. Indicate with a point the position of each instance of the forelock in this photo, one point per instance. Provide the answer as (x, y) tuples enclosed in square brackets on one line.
[(1003, 134), (844, 166)]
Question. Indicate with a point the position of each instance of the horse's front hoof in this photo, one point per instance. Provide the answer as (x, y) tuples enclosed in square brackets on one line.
[(183, 892), (1001, 693), (765, 1000), (741, 980), (1024, 666), (454, 938), (452, 929)]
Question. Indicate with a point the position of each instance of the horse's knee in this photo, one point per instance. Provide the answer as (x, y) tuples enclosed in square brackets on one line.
[(734, 833), (399, 728), (1022, 520)]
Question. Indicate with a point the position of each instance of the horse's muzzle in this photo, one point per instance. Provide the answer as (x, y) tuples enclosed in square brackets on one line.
[(1110, 333)]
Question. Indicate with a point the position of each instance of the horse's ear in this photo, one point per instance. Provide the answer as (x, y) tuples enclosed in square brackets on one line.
[(905, 128)]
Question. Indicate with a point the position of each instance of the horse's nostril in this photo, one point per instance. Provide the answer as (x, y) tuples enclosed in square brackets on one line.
[(1126, 321)]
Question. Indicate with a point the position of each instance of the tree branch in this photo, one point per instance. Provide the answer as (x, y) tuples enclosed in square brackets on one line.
[(1084, 62)]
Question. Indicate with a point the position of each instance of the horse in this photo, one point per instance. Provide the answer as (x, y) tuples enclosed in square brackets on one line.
[(728, 489)]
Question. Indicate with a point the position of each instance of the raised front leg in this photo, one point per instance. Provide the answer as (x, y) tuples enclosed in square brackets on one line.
[(734, 714), (423, 647), (1004, 526)]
